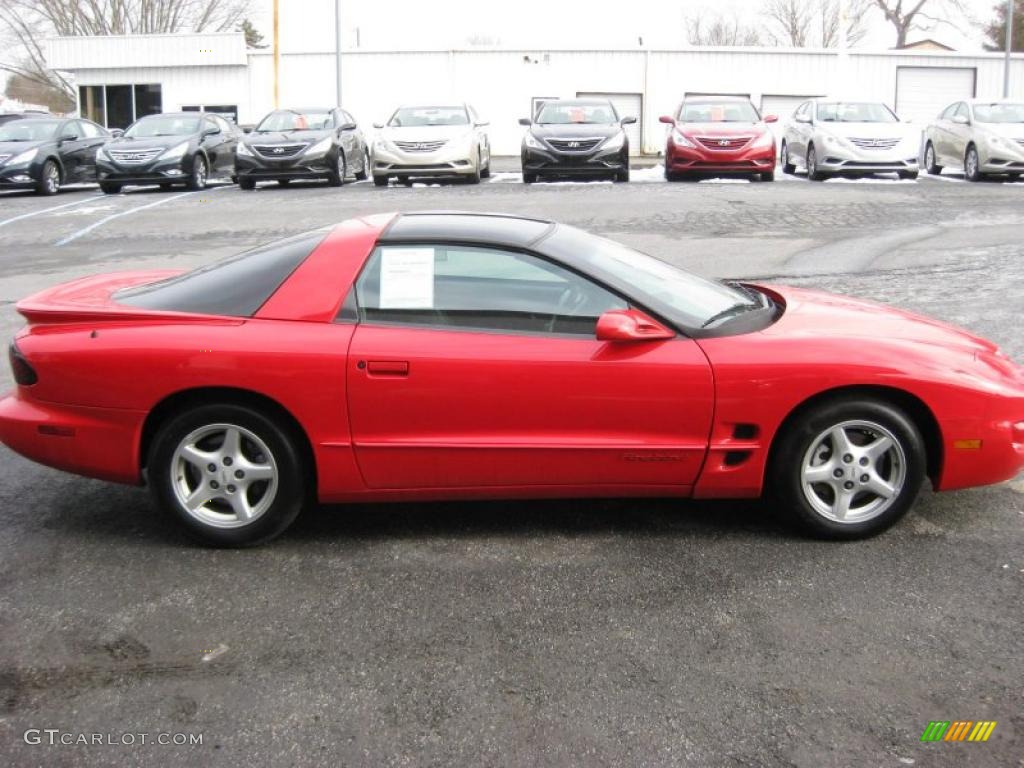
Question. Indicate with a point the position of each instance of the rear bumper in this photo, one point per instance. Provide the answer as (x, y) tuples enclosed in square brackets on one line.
[(95, 442)]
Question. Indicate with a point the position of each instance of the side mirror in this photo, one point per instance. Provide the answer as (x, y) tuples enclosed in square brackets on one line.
[(666, 119), (378, 125), (210, 132), (117, 133), (961, 120), (771, 118), (74, 137), (627, 121), (347, 127), (524, 121), (630, 325), (247, 129), (801, 118)]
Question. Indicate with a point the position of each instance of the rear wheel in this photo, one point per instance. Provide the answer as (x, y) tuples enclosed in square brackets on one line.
[(364, 171), (972, 165), (848, 468), (784, 160), (49, 179), (231, 475), (929, 160), (339, 170), (200, 173)]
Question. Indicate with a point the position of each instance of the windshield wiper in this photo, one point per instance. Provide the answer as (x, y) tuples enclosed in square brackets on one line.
[(735, 309)]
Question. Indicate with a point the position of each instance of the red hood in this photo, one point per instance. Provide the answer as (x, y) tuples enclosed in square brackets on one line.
[(819, 315), (715, 130), (89, 297)]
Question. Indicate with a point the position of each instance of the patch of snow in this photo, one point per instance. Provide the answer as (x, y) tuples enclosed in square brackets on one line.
[(725, 180)]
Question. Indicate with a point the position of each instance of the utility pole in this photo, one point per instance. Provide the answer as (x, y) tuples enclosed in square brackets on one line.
[(843, 59), (1009, 48), (337, 52), (277, 53)]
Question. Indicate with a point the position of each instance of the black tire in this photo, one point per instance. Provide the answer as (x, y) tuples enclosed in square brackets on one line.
[(529, 178), (380, 181), (363, 173), (200, 173), (930, 165), (283, 182), (339, 170), (166, 187), (1013, 177), (792, 446), (670, 176), (812, 165), (477, 174), (769, 176), (108, 188), (405, 181), (247, 182), (907, 174), (623, 175), (972, 164), (485, 172), (290, 496), (787, 166), (49, 179)]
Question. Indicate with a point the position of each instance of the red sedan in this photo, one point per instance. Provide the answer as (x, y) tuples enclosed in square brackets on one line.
[(719, 134), (466, 356)]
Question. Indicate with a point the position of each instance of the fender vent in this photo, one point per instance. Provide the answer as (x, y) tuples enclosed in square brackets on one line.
[(745, 431)]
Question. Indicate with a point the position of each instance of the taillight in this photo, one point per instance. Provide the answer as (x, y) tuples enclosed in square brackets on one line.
[(24, 374)]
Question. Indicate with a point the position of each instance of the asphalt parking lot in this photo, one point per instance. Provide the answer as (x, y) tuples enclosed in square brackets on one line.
[(618, 633)]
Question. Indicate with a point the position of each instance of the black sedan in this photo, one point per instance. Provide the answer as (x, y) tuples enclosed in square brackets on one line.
[(42, 153), (321, 143), (576, 137), (173, 148)]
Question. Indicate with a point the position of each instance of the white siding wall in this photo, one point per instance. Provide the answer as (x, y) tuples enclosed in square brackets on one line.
[(499, 83)]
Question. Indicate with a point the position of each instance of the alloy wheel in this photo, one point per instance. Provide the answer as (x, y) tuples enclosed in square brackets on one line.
[(52, 178), (971, 165), (224, 475), (853, 471)]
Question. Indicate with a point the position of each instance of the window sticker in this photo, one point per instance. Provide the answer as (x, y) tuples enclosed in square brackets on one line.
[(407, 278)]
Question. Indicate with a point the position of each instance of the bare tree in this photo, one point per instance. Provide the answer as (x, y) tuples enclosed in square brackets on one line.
[(29, 22), (813, 23), (710, 30), (907, 16)]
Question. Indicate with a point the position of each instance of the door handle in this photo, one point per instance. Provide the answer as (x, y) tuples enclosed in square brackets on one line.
[(387, 368)]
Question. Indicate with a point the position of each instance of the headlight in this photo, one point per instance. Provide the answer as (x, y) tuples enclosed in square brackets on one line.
[(175, 152), (322, 146), (381, 145), (996, 141), (766, 139), (243, 149), (24, 157), (681, 140), (615, 142), (531, 141)]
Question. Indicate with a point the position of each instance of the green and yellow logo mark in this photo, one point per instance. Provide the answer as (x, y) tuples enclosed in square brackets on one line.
[(958, 730)]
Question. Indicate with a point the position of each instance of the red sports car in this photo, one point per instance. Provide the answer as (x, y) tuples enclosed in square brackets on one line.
[(719, 134), (466, 356)]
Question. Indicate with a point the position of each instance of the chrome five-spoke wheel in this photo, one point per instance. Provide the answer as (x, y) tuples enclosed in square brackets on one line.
[(853, 472)]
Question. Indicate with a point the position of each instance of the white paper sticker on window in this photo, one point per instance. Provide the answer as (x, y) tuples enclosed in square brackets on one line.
[(407, 278)]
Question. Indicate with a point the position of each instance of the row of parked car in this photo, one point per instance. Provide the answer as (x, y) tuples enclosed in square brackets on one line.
[(565, 138)]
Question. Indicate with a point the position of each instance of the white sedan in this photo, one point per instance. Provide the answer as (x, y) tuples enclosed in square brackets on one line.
[(829, 137)]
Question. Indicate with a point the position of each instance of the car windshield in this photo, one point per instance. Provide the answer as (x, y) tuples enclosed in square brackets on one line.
[(855, 112), (163, 125), (295, 120), (686, 299), (574, 113), (999, 113), (414, 117), (718, 112), (29, 130)]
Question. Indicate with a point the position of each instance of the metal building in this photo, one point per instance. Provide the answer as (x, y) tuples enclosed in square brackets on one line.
[(122, 78)]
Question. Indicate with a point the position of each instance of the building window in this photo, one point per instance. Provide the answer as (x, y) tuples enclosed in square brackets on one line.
[(227, 111), (118, 106)]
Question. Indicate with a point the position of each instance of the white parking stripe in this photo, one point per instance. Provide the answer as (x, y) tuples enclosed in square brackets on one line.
[(47, 210), (136, 209)]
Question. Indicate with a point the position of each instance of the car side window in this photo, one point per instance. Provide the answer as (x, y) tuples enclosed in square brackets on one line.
[(948, 112), (209, 123), (89, 130), (961, 110), (221, 123), (71, 130), (478, 288)]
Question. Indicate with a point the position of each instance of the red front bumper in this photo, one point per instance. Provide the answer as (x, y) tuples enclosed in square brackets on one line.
[(749, 159), (95, 442)]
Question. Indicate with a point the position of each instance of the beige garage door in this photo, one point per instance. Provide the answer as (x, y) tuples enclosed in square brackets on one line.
[(922, 92)]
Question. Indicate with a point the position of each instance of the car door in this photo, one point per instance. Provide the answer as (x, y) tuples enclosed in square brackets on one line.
[(215, 144), (71, 148), (483, 140), (938, 133), (960, 131), (347, 138), (801, 132), (93, 137), (479, 367)]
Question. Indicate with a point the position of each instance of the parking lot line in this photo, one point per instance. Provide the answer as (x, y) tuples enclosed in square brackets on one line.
[(111, 217), (46, 210)]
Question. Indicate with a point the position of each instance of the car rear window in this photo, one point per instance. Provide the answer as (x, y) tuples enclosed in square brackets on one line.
[(234, 287)]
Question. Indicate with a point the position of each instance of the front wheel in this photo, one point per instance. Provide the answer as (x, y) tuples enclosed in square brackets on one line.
[(109, 189), (247, 182), (364, 172), (380, 181), (529, 177), (930, 165), (200, 173), (784, 160), (812, 165), (339, 170), (768, 176), (972, 165), (229, 474), (49, 179), (907, 174), (848, 468), (623, 175)]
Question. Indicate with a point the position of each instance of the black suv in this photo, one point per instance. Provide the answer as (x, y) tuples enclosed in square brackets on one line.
[(319, 143), (576, 137), (173, 148)]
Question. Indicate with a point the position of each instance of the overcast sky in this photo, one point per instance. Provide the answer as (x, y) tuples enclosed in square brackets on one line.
[(308, 24)]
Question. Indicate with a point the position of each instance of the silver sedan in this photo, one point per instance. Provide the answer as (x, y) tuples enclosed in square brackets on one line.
[(981, 137)]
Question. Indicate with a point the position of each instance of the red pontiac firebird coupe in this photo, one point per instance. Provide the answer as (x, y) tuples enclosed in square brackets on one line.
[(456, 355)]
